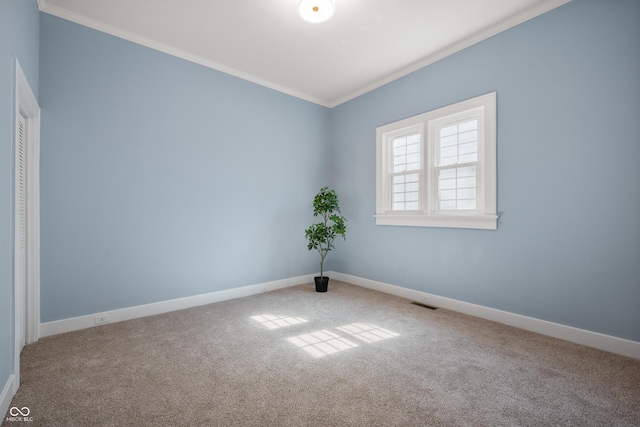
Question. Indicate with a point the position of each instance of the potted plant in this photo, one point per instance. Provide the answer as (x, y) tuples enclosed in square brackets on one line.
[(322, 234)]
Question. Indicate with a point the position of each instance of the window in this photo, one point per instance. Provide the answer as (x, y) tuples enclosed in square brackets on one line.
[(438, 169)]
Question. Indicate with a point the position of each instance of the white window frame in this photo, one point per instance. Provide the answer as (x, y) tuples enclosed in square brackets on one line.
[(427, 125)]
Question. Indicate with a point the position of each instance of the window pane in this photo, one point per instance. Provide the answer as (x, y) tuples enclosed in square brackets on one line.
[(449, 141), (468, 158), (399, 142), (448, 161), (406, 153), (449, 152), (449, 130), (468, 136), (467, 182), (413, 158), (470, 147), (458, 143), (466, 204), (457, 188), (447, 173), (447, 194), (464, 171), (467, 126), (405, 192), (447, 183), (413, 148), (466, 193), (399, 151), (448, 205), (413, 139)]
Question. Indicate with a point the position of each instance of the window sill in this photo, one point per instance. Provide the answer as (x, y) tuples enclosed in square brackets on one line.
[(484, 222)]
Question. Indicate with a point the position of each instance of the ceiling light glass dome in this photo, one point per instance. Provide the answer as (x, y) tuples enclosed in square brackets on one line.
[(316, 11)]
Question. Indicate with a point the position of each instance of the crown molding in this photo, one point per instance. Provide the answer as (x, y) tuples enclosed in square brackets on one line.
[(536, 10), (45, 7), (498, 27)]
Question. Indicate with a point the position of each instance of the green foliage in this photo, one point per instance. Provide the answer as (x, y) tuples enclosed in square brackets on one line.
[(322, 234)]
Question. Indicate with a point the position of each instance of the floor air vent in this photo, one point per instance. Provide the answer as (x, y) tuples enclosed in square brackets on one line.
[(430, 307)]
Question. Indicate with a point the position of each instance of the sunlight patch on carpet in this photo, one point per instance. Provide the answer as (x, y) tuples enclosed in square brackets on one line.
[(272, 321), (322, 343), (367, 332)]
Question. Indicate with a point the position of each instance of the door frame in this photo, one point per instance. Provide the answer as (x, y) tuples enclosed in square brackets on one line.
[(27, 106)]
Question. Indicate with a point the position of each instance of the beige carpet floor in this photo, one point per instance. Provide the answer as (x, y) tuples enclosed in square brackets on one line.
[(294, 357)]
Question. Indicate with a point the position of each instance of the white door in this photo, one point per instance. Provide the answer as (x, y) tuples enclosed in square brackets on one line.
[(21, 230), (26, 219)]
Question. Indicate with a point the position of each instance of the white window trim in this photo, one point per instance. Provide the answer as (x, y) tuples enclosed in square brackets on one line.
[(485, 215)]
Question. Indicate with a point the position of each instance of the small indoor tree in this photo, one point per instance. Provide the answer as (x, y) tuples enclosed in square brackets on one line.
[(322, 234)]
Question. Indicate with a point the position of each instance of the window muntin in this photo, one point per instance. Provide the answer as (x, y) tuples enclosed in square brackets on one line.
[(406, 175), (457, 142), (457, 188), (444, 177)]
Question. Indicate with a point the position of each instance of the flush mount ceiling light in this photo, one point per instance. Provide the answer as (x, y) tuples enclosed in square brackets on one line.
[(316, 11)]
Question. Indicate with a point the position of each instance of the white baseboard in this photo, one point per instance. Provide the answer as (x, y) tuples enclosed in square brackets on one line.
[(88, 321), (579, 336), (5, 398)]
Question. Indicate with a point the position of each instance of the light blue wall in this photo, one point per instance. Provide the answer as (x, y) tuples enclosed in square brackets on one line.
[(163, 179), (567, 249), (146, 197), (18, 39)]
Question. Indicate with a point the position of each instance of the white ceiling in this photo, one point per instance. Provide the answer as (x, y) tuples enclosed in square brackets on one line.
[(366, 44)]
